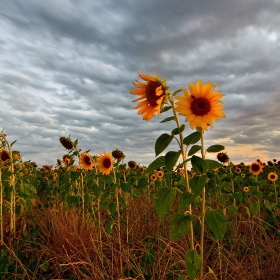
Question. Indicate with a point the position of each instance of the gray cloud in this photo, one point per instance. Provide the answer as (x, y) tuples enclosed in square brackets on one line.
[(68, 69)]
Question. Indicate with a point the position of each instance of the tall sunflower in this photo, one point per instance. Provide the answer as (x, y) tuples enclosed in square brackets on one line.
[(200, 105), (86, 161), (256, 168), (153, 94), (104, 163)]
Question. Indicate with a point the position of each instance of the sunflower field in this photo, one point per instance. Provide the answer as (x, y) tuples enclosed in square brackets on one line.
[(182, 217)]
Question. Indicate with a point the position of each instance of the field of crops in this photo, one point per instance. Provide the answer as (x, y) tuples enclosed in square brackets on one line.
[(102, 217)]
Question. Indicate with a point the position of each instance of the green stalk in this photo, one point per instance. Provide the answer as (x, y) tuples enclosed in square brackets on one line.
[(202, 211), (119, 223), (183, 152)]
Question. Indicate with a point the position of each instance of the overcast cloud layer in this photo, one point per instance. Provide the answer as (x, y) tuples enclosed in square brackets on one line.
[(66, 67)]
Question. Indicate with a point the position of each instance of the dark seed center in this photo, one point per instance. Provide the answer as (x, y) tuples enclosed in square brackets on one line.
[(151, 93), (107, 163), (200, 106)]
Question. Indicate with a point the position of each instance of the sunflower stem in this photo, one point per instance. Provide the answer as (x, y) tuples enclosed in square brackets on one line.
[(202, 211), (184, 155)]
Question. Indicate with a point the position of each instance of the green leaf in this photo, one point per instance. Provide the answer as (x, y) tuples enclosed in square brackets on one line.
[(157, 163), (224, 197), (199, 165), (212, 164), (258, 194), (192, 138), (44, 266), (232, 209), (180, 225), (194, 149), (182, 277), (164, 200), (176, 131), (215, 148), (162, 143), (186, 199), (109, 227), (176, 92), (238, 196), (197, 184), (193, 263), (166, 108), (112, 207), (267, 204), (171, 159), (168, 119), (216, 220), (255, 208)]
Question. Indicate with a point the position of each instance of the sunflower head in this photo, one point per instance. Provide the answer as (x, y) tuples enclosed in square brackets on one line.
[(85, 161), (159, 174), (270, 163), (153, 177), (67, 159), (153, 94), (132, 164), (66, 142), (117, 154), (256, 168), (104, 163), (246, 189), (272, 176), (5, 155), (222, 157), (200, 105), (47, 168)]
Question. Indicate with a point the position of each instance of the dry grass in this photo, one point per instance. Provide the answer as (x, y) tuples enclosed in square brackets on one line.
[(72, 246)]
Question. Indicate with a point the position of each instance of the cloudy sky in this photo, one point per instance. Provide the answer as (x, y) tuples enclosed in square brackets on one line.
[(66, 67)]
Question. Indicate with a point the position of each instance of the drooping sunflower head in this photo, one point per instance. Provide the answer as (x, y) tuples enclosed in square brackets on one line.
[(272, 176), (200, 105), (153, 93), (256, 168), (66, 142), (85, 161), (104, 163)]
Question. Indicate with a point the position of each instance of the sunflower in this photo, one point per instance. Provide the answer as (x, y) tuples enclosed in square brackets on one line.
[(201, 105), (272, 176), (132, 164), (86, 161), (66, 159), (159, 174), (66, 142), (256, 168), (153, 95), (237, 169), (246, 189), (4, 155), (153, 177), (104, 163), (222, 157)]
